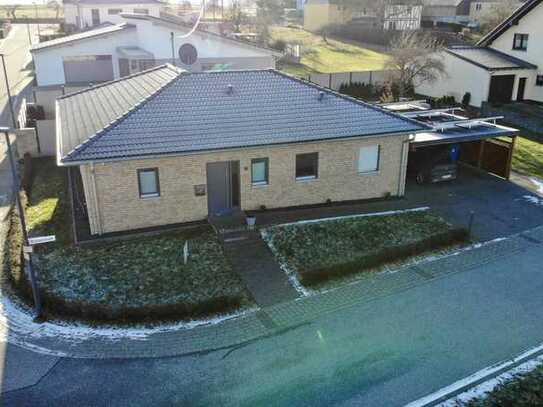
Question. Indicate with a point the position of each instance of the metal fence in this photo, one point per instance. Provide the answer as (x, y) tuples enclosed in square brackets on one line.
[(335, 80)]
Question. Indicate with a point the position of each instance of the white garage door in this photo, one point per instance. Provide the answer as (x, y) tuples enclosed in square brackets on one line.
[(88, 68)]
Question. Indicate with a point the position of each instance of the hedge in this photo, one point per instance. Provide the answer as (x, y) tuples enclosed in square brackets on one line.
[(315, 276)]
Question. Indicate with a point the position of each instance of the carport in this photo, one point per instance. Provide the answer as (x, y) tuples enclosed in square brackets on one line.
[(483, 144)]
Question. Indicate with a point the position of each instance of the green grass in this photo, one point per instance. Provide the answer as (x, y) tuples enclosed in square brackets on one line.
[(333, 249), (528, 157), (333, 56), (523, 391), (138, 279)]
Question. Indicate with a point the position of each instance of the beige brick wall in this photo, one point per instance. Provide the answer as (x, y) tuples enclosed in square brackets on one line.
[(121, 208)]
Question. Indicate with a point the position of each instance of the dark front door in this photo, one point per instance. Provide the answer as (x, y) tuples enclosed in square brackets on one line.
[(95, 14), (222, 187), (501, 89), (521, 89)]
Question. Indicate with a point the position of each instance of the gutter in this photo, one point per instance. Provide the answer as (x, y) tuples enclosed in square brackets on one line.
[(95, 198), (221, 150)]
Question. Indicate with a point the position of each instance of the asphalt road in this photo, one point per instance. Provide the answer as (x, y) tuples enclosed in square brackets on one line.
[(385, 353), (18, 65)]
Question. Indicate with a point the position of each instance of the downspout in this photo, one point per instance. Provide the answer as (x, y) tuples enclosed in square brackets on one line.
[(95, 198), (403, 165)]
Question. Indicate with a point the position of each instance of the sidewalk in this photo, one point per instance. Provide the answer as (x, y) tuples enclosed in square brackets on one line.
[(81, 342)]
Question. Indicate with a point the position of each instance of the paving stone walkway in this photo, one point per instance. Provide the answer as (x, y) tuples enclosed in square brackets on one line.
[(272, 320), (253, 261)]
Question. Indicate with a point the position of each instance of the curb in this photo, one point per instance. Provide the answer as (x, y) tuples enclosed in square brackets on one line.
[(482, 376)]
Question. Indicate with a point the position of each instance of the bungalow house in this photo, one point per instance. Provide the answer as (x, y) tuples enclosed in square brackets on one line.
[(138, 43), (506, 65), (445, 11), (167, 146), (81, 14)]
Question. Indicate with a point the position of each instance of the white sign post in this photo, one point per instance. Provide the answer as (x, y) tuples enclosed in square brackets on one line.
[(186, 252)]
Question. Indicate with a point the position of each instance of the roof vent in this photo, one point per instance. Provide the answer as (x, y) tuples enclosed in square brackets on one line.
[(321, 95), (229, 89)]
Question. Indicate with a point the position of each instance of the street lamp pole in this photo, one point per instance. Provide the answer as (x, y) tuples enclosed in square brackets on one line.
[(16, 187), (10, 102)]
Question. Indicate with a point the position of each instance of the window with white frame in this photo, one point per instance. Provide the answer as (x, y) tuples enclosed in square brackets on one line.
[(539, 80), (520, 42), (368, 159), (259, 171), (114, 11), (141, 11), (148, 182)]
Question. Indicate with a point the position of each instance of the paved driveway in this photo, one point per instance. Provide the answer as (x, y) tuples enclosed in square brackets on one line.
[(500, 207)]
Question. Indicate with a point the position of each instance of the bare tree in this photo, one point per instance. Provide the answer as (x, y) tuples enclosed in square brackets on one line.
[(497, 13), (414, 60), (236, 15), (11, 10), (54, 4)]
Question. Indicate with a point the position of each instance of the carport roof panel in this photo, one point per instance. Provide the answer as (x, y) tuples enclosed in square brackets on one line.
[(489, 59), (463, 133)]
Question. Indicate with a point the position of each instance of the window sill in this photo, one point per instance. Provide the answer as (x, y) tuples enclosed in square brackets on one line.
[(306, 179), (148, 197), (369, 173), (260, 185)]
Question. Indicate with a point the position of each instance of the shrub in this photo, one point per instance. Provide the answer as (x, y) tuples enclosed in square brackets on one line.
[(316, 276), (279, 45), (358, 90), (466, 99)]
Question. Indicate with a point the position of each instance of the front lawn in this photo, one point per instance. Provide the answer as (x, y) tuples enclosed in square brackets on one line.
[(328, 250), (139, 279), (327, 57), (523, 391), (528, 156)]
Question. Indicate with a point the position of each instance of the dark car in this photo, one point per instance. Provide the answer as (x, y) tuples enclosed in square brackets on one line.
[(433, 164)]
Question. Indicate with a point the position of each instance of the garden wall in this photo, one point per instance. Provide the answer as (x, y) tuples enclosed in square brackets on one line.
[(335, 80)]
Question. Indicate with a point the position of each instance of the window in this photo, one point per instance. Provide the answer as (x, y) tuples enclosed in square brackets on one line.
[(148, 182), (368, 159), (259, 171), (539, 80), (307, 166), (520, 42), (114, 11), (478, 6), (141, 11)]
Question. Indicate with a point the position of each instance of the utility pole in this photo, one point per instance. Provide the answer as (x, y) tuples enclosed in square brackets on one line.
[(27, 254), (10, 102), (172, 38), (37, 22)]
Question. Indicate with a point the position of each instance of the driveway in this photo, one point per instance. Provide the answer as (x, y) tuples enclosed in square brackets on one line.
[(501, 208)]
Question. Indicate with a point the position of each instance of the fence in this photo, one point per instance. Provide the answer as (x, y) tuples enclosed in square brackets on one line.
[(335, 80)]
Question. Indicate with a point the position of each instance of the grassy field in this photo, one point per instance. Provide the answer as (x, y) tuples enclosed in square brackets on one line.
[(332, 250), (528, 157), (523, 391), (326, 57), (139, 279)]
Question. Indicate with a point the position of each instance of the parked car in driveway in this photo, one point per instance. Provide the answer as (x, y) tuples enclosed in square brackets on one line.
[(433, 164)]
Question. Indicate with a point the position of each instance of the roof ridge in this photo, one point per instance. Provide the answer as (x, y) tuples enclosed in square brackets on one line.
[(94, 87), (346, 97), (497, 31), (121, 118)]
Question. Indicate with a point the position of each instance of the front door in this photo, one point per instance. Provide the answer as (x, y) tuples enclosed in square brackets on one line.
[(222, 187), (521, 89), (95, 14)]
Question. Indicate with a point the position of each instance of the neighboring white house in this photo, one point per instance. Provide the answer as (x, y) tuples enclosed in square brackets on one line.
[(90, 13), (140, 42), (445, 11), (506, 65), (479, 9), (402, 17)]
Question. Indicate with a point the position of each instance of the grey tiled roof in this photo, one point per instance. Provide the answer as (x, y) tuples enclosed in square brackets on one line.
[(95, 32), (489, 58), (197, 112), (84, 113)]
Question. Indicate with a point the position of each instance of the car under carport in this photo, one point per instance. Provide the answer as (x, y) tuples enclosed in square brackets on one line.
[(479, 143)]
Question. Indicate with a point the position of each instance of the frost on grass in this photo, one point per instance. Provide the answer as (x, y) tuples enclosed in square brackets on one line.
[(147, 271), (303, 247)]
